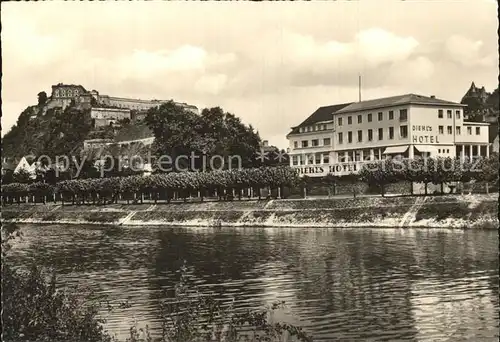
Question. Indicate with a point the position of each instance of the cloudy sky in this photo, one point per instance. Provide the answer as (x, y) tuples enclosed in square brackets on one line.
[(272, 64)]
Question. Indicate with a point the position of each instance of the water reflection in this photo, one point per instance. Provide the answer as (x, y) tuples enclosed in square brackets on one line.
[(341, 284)]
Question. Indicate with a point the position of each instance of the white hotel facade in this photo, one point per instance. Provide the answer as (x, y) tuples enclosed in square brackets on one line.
[(339, 138)]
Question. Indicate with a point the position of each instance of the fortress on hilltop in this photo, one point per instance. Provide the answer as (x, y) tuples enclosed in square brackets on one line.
[(63, 95)]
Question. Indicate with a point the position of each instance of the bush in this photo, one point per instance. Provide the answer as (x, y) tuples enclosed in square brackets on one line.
[(34, 309)]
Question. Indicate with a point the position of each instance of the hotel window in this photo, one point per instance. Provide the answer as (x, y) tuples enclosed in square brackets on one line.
[(357, 156), (391, 115), (349, 120), (403, 132), (391, 133), (457, 114), (366, 155), (305, 143), (326, 142), (310, 159), (349, 137), (478, 130), (441, 129), (317, 158), (324, 127), (302, 160), (360, 136), (403, 115), (309, 128), (341, 138), (440, 113), (458, 130), (360, 119), (370, 117), (370, 135), (326, 158), (340, 121), (447, 150), (313, 128), (469, 130), (449, 114), (449, 129), (295, 144), (380, 116), (295, 160), (380, 134), (439, 150), (314, 142)]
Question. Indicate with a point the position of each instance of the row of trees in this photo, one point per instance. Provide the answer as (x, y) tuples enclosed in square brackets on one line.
[(225, 184), (437, 171), (229, 183)]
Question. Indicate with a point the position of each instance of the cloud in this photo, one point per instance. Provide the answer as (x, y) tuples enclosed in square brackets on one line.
[(143, 63), (417, 71), (468, 52), (211, 84), (271, 68), (377, 46)]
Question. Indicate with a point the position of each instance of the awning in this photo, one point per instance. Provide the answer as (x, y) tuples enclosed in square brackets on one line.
[(425, 148), (395, 149)]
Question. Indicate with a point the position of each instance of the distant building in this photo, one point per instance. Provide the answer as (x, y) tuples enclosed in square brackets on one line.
[(481, 105), (64, 94), (267, 148), (96, 143), (25, 165), (107, 116), (338, 139), (135, 104), (476, 93)]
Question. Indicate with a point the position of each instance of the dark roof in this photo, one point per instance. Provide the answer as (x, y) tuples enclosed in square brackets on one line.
[(321, 114), (397, 101)]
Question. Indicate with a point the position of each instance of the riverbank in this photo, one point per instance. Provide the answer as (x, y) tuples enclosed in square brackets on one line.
[(454, 211)]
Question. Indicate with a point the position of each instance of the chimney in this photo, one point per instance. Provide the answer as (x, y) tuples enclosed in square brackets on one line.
[(433, 96), (265, 143)]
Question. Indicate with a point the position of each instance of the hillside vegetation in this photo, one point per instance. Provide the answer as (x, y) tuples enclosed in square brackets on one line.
[(56, 133)]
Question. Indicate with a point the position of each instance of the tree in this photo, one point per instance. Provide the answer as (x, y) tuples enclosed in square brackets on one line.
[(42, 98), (330, 180), (8, 177), (488, 170), (213, 133), (23, 176), (379, 174)]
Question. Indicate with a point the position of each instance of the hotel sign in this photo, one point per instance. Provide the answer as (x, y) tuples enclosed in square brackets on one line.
[(333, 168), (423, 134)]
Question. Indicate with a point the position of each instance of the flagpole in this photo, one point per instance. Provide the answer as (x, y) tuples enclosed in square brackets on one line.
[(359, 88)]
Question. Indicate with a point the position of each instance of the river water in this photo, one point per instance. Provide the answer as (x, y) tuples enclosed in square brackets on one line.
[(340, 284)]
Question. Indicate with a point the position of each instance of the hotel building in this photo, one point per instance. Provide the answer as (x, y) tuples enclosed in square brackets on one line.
[(337, 139)]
